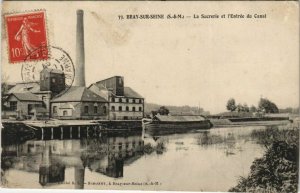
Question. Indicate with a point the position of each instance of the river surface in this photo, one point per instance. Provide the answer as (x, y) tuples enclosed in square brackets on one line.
[(211, 160)]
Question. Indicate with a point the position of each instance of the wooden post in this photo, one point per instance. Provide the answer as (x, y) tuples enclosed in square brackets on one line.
[(42, 133), (99, 128), (78, 131), (52, 135), (61, 132), (87, 131)]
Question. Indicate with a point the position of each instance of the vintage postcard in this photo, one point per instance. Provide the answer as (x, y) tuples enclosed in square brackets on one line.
[(147, 95)]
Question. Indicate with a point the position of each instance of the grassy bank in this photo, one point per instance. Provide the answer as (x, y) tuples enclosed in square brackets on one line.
[(277, 170), (227, 122)]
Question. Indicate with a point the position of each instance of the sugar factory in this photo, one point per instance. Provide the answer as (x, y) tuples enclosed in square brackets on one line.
[(107, 99)]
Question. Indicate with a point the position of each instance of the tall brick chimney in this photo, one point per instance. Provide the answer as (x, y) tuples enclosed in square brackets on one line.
[(80, 64)]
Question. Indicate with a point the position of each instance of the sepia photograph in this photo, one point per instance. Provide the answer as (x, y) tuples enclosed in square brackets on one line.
[(198, 96)]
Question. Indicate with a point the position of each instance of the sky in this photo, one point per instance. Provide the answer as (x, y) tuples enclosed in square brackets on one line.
[(181, 62)]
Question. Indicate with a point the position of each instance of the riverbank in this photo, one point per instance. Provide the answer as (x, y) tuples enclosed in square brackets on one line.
[(246, 122), (277, 170)]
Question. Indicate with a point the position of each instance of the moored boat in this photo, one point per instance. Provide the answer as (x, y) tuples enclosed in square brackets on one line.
[(166, 124)]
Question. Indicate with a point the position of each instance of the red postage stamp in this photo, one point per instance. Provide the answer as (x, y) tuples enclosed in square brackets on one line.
[(26, 35)]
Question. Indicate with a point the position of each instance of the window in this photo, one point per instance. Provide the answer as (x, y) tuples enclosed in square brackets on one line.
[(95, 109), (140, 108), (65, 113), (104, 109), (54, 109), (113, 99), (127, 108), (30, 108), (43, 98), (120, 100), (140, 101), (112, 108), (133, 100), (133, 108), (120, 108), (86, 109), (13, 105), (127, 100)]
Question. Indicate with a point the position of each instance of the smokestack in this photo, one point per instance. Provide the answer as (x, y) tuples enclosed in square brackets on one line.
[(79, 66)]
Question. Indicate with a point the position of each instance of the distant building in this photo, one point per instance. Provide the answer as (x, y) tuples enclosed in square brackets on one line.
[(124, 102), (79, 103), (34, 88), (20, 105), (52, 80)]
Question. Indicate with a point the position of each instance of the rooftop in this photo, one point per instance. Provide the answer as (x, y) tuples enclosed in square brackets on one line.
[(80, 94), (109, 78), (25, 87), (26, 96), (129, 92)]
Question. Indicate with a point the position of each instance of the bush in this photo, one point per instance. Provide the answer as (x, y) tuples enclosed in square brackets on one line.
[(277, 170)]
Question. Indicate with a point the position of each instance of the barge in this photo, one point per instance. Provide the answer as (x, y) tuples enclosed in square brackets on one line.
[(168, 124)]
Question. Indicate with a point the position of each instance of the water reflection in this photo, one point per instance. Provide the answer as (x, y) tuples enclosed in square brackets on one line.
[(216, 156), (105, 155)]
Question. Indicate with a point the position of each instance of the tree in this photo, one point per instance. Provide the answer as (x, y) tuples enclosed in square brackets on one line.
[(163, 110), (268, 106), (240, 108), (253, 109), (246, 108), (231, 105)]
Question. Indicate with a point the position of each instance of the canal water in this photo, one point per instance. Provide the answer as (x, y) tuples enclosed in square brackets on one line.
[(211, 160)]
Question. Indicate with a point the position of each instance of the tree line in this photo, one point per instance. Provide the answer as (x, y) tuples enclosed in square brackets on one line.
[(264, 105)]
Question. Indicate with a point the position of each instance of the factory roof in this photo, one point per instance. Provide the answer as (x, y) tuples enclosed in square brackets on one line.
[(100, 81), (129, 92), (26, 96), (78, 94), (24, 87)]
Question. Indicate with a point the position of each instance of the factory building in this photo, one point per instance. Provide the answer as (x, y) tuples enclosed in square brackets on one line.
[(52, 80), (79, 103), (20, 105), (105, 99), (124, 102)]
